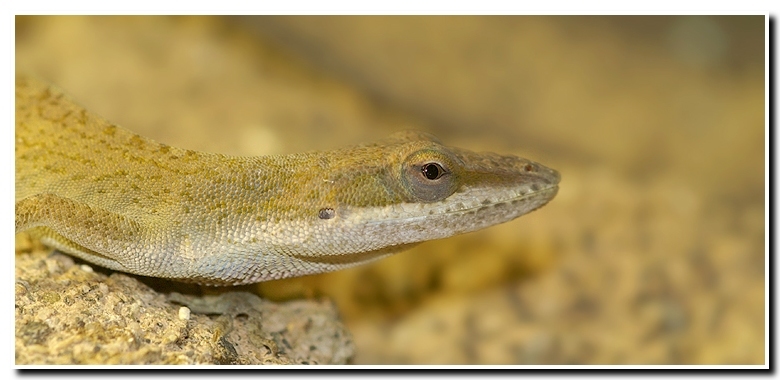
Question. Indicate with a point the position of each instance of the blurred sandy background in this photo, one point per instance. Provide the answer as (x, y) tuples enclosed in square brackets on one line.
[(653, 251)]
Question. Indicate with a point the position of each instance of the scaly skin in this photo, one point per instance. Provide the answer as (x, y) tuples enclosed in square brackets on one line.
[(99, 192)]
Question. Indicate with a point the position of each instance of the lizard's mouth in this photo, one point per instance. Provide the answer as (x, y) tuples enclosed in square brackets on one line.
[(462, 212), (482, 207)]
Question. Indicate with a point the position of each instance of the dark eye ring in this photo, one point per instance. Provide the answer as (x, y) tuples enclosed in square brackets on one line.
[(432, 171)]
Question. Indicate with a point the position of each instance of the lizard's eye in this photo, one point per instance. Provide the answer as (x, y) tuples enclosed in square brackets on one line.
[(432, 170), (429, 176)]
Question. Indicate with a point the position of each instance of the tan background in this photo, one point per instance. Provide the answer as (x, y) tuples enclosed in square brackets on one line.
[(653, 252)]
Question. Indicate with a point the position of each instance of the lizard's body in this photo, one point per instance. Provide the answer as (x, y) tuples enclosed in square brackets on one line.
[(111, 197)]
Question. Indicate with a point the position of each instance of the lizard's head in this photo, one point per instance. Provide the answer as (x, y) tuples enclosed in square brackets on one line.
[(367, 202), (419, 189)]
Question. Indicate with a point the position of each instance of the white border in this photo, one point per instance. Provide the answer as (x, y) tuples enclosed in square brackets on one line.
[(345, 7)]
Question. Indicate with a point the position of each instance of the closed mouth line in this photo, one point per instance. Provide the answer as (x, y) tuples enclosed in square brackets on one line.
[(544, 190)]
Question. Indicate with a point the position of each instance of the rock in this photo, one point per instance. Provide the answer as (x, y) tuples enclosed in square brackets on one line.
[(68, 315)]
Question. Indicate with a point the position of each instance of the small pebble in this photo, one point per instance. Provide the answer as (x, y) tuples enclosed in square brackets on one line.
[(184, 313), (86, 268)]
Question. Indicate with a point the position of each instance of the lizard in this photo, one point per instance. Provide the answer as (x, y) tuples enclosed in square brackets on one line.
[(104, 194)]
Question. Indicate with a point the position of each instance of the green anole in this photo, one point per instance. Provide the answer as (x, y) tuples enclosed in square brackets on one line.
[(106, 195)]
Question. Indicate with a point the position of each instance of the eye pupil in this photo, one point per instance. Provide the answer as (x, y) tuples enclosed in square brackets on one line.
[(432, 171)]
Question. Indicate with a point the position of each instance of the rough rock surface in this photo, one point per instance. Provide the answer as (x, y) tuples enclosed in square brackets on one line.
[(70, 314)]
